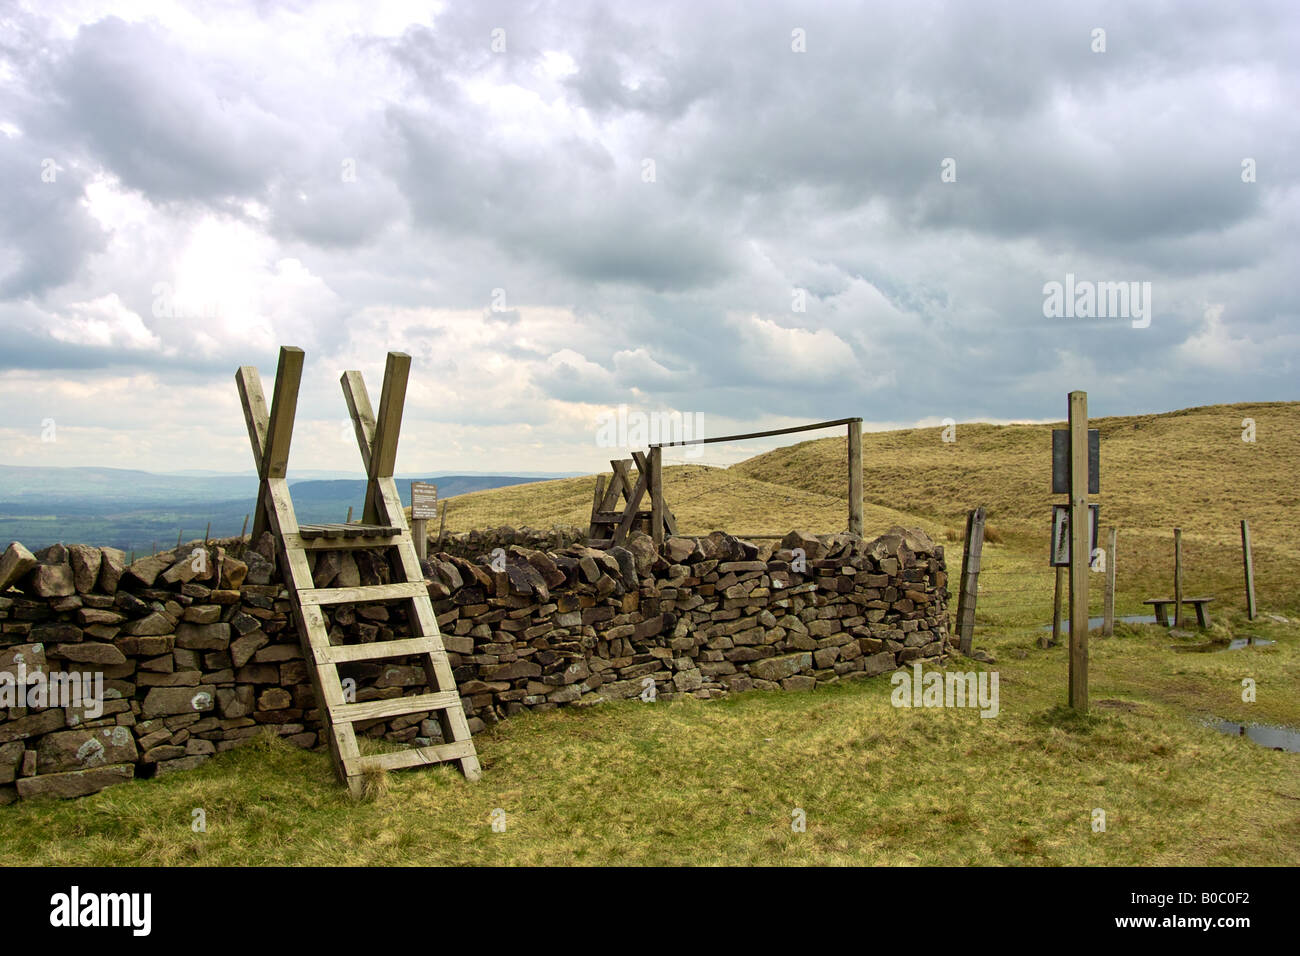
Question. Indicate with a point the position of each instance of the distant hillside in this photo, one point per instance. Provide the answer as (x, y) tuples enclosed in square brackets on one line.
[(1188, 468), (21, 482), (134, 510)]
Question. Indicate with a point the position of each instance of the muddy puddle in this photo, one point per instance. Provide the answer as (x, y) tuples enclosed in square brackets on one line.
[(1266, 735)]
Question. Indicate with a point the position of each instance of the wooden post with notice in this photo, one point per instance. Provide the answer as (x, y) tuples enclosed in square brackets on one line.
[(424, 505), (970, 574), (1178, 576), (1108, 608), (855, 477), (1080, 550), (1249, 564)]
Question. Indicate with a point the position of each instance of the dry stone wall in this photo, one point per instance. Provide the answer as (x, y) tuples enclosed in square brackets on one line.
[(197, 653)]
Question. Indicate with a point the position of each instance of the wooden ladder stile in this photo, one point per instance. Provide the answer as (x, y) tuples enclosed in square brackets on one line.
[(612, 525), (383, 526)]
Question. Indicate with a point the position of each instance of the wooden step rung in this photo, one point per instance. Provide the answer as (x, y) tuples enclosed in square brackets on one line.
[(343, 544), (417, 756), (346, 530), (377, 650), (363, 594), (395, 706)]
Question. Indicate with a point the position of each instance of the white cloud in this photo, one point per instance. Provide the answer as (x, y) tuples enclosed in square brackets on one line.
[(103, 323), (1216, 347)]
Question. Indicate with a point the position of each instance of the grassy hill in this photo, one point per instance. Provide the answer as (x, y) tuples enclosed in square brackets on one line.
[(1187, 468), (703, 498)]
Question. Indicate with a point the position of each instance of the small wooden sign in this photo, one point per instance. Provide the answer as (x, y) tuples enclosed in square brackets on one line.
[(424, 500), (1060, 554), (1061, 461)]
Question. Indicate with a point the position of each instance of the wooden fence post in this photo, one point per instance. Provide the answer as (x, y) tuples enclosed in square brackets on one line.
[(656, 462), (1080, 550), (1250, 569), (970, 573), (1108, 612), (855, 477), (1178, 576)]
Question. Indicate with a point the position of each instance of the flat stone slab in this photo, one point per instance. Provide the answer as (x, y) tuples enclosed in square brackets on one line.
[(76, 783), (179, 700), (85, 749)]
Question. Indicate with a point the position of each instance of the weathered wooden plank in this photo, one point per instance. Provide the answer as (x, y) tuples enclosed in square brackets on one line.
[(419, 756), (363, 418), (347, 531), (256, 415), (397, 706), (388, 426), (363, 593), (340, 544), (381, 650), (656, 483), (633, 506), (595, 505), (284, 406)]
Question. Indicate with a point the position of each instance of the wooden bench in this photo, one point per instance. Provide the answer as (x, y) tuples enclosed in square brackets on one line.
[(1162, 605)]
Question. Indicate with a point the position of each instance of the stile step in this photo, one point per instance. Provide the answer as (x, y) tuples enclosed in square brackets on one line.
[(378, 650), (364, 593), (417, 756), (395, 706)]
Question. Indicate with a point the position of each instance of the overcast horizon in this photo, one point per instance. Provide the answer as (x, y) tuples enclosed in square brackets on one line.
[(755, 216)]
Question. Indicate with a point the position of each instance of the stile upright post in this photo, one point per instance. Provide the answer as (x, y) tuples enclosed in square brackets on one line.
[(657, 495), (1079, 551)]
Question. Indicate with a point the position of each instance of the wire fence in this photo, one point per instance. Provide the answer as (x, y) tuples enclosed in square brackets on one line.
[(1014, 592), (706, 493)]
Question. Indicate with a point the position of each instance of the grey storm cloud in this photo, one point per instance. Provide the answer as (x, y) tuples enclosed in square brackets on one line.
[(417, 167)]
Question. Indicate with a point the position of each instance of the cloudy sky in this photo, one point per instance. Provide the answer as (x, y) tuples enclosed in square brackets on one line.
[(760, 213)]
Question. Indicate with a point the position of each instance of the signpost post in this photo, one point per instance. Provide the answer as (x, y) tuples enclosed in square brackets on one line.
[(424, 505), (1080, 552), (1076, 471)]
